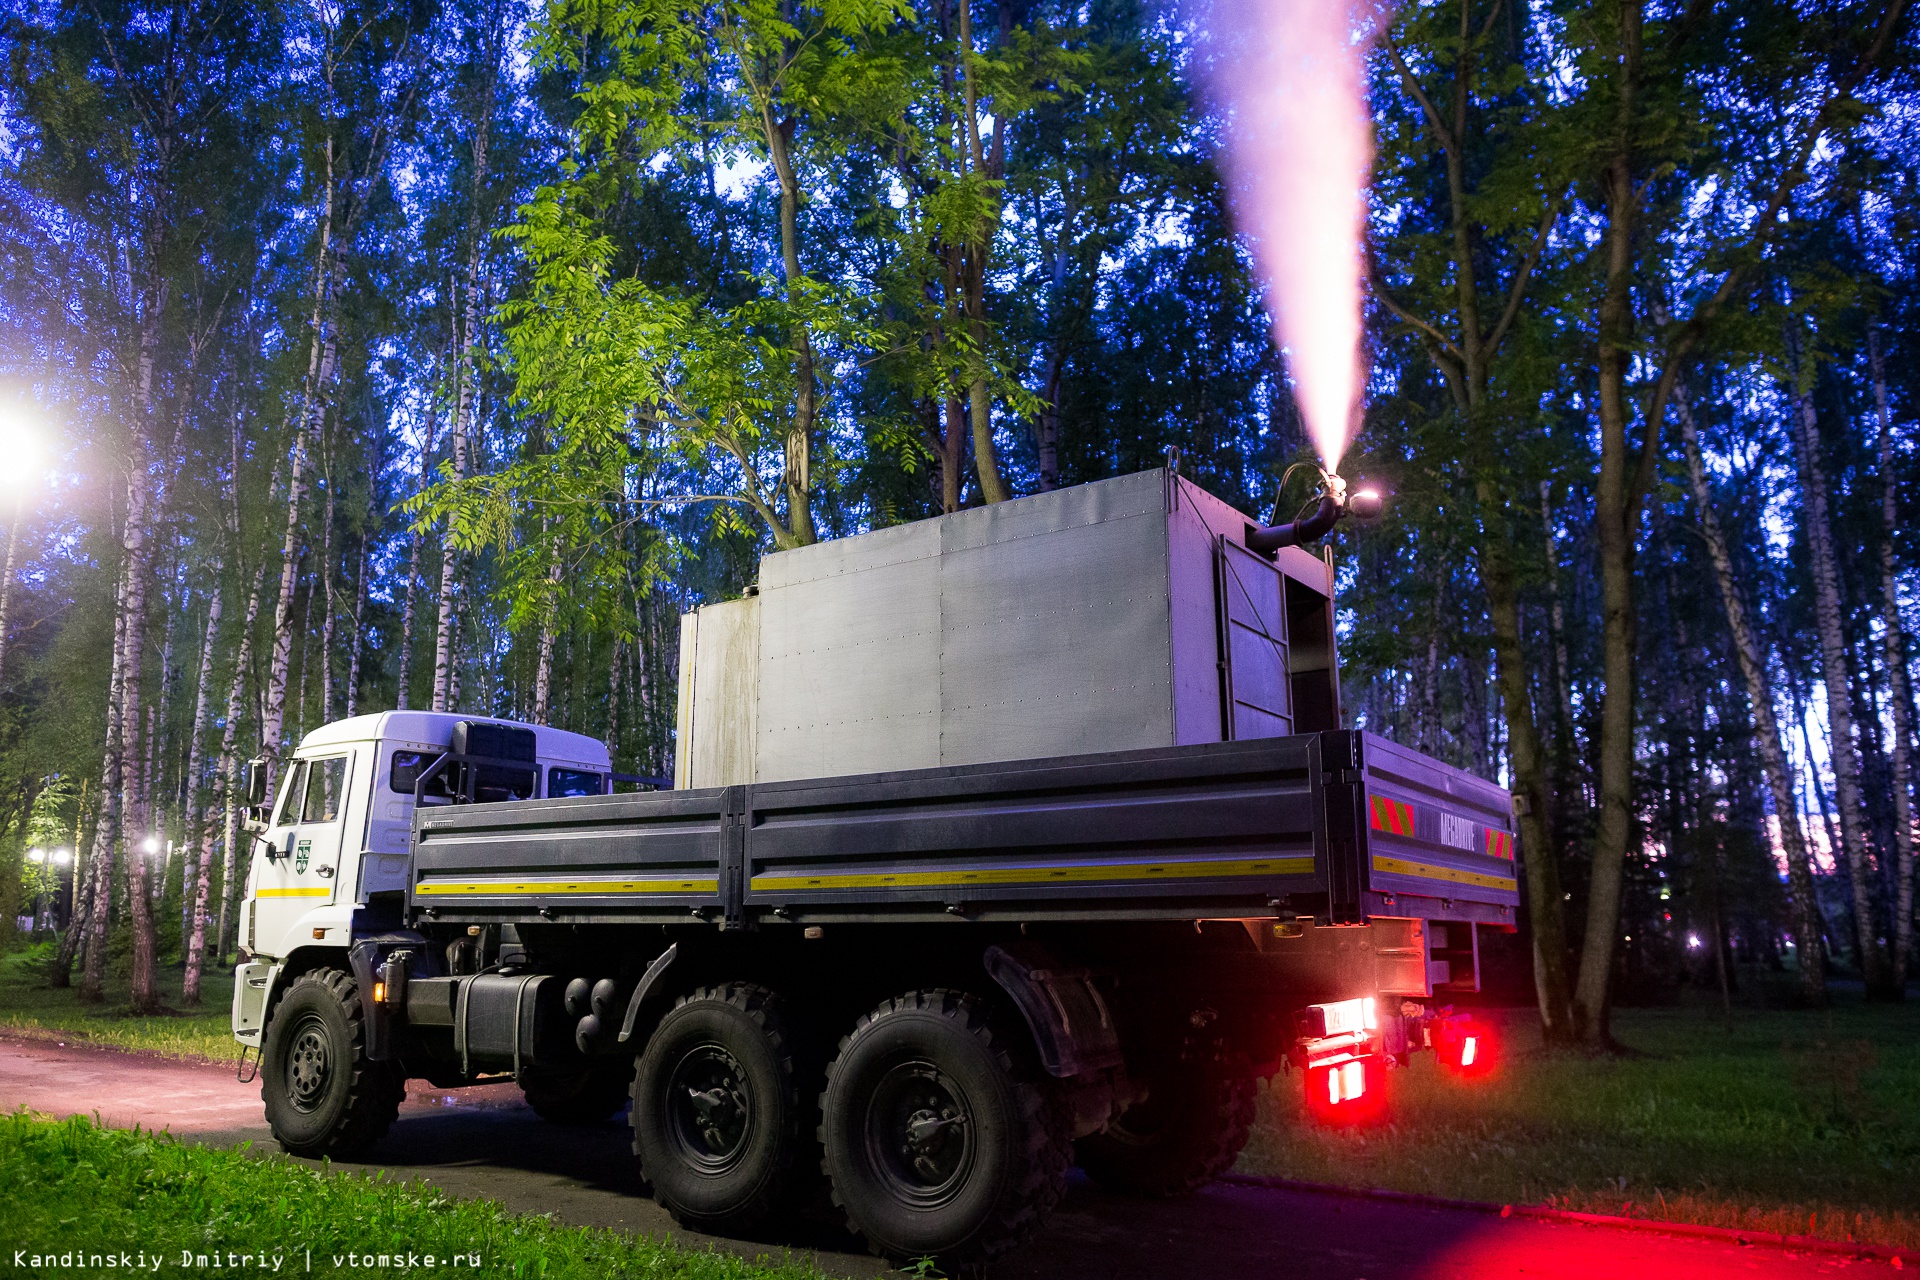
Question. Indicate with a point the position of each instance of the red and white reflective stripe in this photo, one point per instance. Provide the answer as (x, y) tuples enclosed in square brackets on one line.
[(1392, 816), (1500, 844)]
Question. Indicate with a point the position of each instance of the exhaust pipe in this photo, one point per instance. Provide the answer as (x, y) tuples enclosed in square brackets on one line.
[(1335, 504), (1270, 538)]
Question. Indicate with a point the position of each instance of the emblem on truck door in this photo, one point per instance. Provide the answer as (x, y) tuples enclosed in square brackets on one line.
[(301, 853)]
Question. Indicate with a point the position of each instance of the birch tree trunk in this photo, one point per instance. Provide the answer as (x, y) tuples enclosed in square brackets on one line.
[(613, 701), (446, 677), (543, 672), (1894, 639), (357, 641), (319, 370), (1772, 750), (199, 847), (6, 584), (1833, 664), (323, 583), (412, 589), (229, 776), (106, 829), (142, 996)]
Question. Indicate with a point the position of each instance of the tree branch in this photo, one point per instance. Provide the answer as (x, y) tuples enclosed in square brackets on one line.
[(1523, 274), (1441, 133), (1386, 300)]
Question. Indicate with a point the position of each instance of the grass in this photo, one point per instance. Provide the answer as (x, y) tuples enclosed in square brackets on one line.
[(1803, 1123), (31, 1007), (70, 1188)]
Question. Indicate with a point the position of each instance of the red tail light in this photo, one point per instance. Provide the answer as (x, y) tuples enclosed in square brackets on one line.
[(1345, 1090), (1463, 1046)]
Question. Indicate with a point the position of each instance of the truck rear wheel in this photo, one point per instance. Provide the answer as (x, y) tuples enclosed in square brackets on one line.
[(324, 1097), (1188, 1131), (941, 1137), (588, 1096), (718, 1120)]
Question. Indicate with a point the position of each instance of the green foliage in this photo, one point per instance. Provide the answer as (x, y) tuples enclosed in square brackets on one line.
[(71, 1186)]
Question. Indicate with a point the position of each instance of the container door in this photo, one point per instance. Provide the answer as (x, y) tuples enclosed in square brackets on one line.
[(1253, 646)]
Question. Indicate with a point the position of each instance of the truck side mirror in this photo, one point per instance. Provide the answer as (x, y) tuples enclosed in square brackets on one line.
[(257, 779)]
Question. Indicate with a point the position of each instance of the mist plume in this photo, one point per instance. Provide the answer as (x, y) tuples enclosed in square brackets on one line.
[(1289, 77)]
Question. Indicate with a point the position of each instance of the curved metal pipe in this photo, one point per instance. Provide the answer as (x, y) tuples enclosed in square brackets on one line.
[(1271, 538)]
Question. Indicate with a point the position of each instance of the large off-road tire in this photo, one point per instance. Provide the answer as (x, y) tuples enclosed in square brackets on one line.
[(1187, 1132), (587, 1096), (941, 1136), (719, 1119), (323, 1096)]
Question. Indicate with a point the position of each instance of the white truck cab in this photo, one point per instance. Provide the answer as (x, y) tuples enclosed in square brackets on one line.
[(335, 839)]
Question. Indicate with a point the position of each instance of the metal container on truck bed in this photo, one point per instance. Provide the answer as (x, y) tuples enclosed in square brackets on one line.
[(1122, 615)]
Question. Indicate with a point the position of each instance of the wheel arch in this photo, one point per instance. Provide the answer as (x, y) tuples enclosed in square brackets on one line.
[(299, 961)]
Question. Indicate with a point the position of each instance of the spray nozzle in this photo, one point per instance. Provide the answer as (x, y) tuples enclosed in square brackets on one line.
[(1332, 503)]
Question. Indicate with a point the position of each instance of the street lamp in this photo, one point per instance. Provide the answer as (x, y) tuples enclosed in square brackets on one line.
[(36, 855)]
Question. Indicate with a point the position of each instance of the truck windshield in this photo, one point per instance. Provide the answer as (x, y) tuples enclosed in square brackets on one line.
[(573, 782)]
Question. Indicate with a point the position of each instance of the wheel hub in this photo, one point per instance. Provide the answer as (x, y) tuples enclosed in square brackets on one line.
[(920, 1133), (709, 1108), (309, 1065)]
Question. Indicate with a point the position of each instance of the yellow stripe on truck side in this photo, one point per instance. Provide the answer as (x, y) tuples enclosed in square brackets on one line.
[(494, 888), (1426, 870), (1080, 872), (293, 893)]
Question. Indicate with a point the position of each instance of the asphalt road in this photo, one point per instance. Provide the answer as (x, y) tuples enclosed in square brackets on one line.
[(485, 1142)]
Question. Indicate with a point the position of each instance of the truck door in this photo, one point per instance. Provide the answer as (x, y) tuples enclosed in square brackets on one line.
[(305, 836)]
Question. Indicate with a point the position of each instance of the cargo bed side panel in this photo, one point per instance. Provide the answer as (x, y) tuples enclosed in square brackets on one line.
[(651, 857), (1437, 838), (1221, 829)]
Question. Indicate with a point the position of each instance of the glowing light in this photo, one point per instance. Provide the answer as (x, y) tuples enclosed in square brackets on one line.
[(61, 857), (1289, 74), (1345, 1017), (36, 855), (1469, 1050), (20, 432), (1693, 942), (150, 845), (1346, 1082)]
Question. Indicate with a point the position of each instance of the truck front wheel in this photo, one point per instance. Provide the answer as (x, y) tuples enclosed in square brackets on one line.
[(718, 1119), (324, 1097), (942, 1139), (1187, 1132)]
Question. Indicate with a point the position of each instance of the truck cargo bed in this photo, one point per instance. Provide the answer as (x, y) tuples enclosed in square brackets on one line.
[(1340, 826)]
